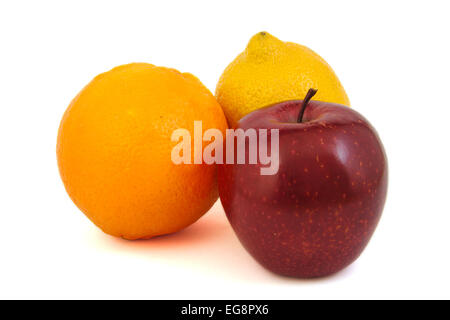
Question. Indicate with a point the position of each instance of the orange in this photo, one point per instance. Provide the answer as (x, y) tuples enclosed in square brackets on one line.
[(114, 150)]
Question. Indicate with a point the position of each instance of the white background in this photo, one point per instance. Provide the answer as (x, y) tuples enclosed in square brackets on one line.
[(392, 58)]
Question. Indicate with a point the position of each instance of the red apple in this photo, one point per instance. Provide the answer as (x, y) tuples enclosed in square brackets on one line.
[(318, 212)]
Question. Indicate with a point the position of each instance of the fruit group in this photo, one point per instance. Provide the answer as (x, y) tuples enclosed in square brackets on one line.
[(271, 71), (318, 212), (114, 150)]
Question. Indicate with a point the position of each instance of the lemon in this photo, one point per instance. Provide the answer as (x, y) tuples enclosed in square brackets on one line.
[(271, 71)]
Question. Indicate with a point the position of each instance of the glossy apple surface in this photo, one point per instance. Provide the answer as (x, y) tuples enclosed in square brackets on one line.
[(317, 214)]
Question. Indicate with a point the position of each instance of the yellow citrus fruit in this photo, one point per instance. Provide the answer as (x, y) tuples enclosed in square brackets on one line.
[(114, 150), (271, 71)]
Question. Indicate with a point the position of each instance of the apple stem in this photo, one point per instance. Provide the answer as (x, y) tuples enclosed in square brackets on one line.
[(311, 92)]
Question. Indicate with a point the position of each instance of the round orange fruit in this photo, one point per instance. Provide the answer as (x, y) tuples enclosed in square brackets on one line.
[(114, 150)]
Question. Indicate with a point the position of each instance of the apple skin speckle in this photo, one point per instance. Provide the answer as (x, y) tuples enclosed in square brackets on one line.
[(320, 210)]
